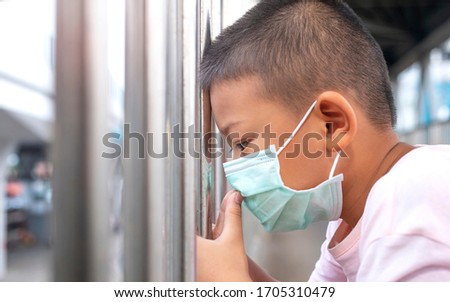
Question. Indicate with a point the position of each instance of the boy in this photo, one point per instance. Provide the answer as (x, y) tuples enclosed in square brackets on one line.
[(312, 66)]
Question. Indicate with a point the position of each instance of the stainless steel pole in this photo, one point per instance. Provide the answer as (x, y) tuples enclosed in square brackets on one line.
[(205, 211), (212, 178), (175, 173), (173, 184), (163, 52), (158, 186), (135, 197), (81, 205), (191, 124)]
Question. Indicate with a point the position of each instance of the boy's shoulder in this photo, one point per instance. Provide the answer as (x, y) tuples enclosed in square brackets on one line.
[(422, 174), (425, 156), (413, 197), (422, 169)]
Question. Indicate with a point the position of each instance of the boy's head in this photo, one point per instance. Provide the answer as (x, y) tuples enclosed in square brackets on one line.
[(300, 48), (269, 67)]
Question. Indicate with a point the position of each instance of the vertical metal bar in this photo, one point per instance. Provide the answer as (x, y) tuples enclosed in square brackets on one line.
[(213, 182), (204, 214), (191, 125), (173, 178), (174, 103), (219, 175), (81, 205), (162, 51), (216, 18), (182, 96), (157, 166), (135, 199)]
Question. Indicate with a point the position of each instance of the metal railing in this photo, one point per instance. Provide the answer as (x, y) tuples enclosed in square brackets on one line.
[(166, 201), (81, 205)]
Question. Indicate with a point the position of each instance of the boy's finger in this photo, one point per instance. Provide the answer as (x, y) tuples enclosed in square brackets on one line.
[(219, 224), (233, 217)]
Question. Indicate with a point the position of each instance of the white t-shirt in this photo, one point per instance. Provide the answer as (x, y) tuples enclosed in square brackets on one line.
[(404, 232)]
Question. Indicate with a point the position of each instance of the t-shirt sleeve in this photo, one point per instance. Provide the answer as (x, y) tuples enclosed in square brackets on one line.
[(327, 269), (405, 258)]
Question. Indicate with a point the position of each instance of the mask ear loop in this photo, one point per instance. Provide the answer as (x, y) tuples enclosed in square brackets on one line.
[(297, 128), (333, 168)]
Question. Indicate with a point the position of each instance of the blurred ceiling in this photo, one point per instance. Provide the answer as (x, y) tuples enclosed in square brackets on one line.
[(401, 26), (16, 127)]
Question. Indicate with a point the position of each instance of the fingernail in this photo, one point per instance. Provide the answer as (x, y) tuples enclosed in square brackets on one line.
[(236, 197)]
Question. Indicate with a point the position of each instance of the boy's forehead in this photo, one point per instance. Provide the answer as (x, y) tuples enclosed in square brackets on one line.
[(241, 101), (233, 95), (232, 101), (248, 87)]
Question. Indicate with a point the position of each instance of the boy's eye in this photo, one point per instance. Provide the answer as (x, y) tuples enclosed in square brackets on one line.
[(242, 145)]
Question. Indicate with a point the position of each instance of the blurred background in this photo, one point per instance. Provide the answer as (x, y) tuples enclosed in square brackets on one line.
[(65, 80)]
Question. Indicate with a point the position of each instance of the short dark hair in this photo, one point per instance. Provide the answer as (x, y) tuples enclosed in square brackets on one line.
[(299, 48)]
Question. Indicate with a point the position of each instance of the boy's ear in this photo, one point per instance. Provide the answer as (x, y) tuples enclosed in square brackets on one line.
[(339, 119)]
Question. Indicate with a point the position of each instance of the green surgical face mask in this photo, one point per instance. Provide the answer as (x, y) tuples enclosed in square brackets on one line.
[(277, 207)]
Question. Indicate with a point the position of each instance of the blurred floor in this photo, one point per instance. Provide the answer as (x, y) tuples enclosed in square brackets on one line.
[(29, 264), (34, 263)]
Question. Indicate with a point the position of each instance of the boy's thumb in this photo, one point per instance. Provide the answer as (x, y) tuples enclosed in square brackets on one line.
[(233, 215)]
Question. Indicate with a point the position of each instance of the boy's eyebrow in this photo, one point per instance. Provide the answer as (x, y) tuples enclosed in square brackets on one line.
[(226, 129)]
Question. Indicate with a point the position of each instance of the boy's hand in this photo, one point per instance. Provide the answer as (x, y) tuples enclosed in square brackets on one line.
[(224, 258)]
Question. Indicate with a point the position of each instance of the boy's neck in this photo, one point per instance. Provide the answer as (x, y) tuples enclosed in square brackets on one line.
[(369, 167)]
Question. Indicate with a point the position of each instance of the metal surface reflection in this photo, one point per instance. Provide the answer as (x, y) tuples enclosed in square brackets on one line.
[(212, 186)]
